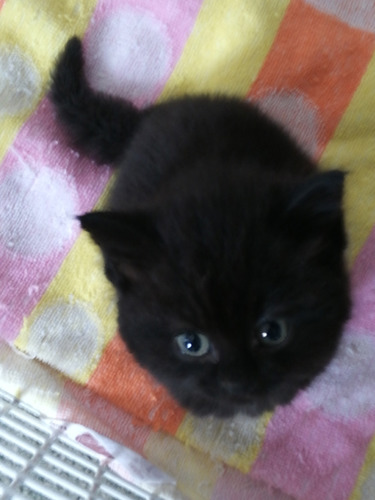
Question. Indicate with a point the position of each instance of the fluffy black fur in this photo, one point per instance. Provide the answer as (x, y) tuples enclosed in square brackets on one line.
[(218, 224)]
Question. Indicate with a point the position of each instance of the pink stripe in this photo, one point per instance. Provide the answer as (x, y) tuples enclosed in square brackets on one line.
[(307, 455), (40, 160)]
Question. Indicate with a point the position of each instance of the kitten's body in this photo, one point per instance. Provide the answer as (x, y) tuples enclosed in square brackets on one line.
[(218, 224)]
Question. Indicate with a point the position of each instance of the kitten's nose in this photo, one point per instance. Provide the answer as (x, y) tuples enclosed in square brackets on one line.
[(237, 387)]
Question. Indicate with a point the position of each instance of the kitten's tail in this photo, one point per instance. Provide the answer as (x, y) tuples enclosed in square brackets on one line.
[(98, 124)]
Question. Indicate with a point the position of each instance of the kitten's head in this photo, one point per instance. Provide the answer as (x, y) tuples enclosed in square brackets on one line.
[(232, 292)]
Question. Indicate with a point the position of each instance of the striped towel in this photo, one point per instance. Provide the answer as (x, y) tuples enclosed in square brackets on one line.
[(308, 63)]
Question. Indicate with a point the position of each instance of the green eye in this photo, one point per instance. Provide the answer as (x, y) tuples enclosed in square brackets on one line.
[(193, 344), (272, 333)]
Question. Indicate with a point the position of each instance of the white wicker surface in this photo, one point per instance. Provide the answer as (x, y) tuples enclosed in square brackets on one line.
[(38, 462)]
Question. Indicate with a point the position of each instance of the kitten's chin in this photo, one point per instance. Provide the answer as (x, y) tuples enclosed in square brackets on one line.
[(225, 408), (228, 410)]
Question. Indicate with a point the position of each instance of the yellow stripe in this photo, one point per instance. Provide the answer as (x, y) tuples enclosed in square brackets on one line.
[(80, 280), (235, 442), (195, 472), (353, 149), (227, 47), (39, 29), (364, 488)]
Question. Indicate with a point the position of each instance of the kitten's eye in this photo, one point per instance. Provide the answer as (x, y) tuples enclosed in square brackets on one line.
[(272, 332), (193, 344)]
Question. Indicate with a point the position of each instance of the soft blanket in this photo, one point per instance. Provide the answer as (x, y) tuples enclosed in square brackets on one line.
[(308, 63)]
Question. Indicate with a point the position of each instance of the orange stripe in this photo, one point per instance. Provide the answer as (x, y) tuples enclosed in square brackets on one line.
[(120, 380), (313, 55), (1, 3)]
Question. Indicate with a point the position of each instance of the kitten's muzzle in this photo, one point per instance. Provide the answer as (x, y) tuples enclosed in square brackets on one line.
[(238, 389)]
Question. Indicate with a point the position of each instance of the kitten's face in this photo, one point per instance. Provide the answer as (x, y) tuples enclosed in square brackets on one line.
[(234, 302)]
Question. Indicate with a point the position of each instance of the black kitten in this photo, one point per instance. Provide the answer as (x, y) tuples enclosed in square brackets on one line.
[(224, 243)]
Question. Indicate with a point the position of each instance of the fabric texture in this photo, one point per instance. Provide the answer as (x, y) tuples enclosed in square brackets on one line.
[(308, 63)]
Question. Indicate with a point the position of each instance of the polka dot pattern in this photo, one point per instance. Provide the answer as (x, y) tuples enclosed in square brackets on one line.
[(296, 114), (128, 54), (38, 208), (359, 14), (233, 441), (346, 389), (309, 64), (44, 184), (65, 336), (368, 487), (20, 82)]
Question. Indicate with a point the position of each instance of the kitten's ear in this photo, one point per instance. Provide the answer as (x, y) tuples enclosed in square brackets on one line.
[(129, 239), (317, 203)]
